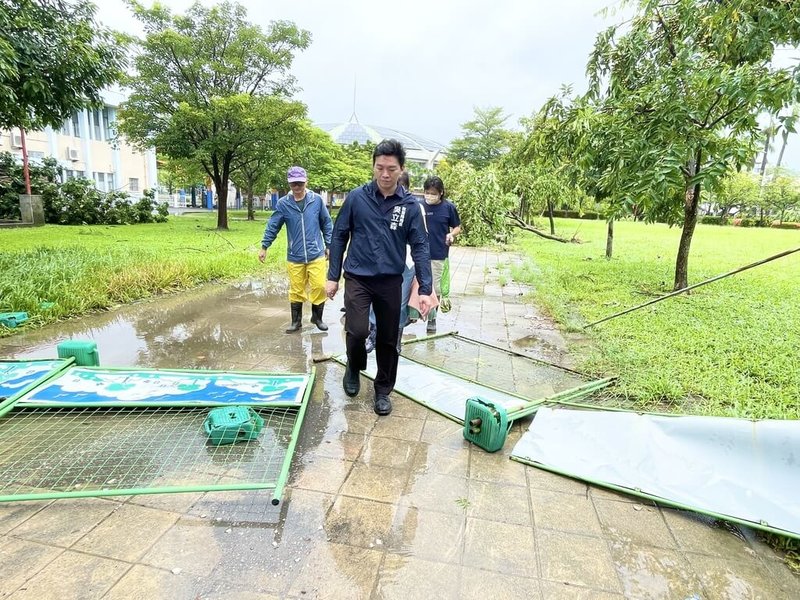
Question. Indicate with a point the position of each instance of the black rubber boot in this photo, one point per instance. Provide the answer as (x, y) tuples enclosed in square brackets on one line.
[(431, 328), (316, 316), (297, 317)]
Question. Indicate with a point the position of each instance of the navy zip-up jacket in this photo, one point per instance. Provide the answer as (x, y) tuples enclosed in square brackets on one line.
[(378, 230), (308, 231)]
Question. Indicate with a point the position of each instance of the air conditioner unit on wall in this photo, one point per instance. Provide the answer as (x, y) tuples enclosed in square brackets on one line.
[(16, 140), (72, 154)]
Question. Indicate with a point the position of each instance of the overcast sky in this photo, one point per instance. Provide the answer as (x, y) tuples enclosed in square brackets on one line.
[(421, 66)]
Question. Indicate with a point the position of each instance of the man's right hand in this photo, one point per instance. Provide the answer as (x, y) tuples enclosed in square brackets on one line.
[(331, 287), (262, 254)]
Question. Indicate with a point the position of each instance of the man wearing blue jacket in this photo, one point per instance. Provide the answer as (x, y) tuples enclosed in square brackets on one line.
[(375, 224), (308, 233)]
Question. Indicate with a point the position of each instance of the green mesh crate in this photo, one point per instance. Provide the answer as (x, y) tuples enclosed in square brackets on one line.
[(12, 319), (486, 424), (84, 352), (231, 424)]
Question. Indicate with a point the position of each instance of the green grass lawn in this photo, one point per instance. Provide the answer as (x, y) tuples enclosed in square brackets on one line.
[(81, 269), (729, 348)]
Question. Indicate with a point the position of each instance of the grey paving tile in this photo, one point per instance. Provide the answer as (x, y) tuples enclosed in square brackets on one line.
[(21, 560), (73, 575), (501, 547), (337, 571), (573, 513), (631, 522), (384, 484), (411, 578), (576, 560), (733, 579), (64, 522)]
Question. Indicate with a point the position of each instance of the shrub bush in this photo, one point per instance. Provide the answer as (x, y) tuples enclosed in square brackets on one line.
[(785, 225), (713, 220), (574, 214), (43, 176)]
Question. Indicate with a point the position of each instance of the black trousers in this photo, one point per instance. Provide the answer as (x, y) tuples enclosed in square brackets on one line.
[(383, 292)]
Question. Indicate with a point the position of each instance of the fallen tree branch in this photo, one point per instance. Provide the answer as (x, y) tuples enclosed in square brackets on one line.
[(524, 226)]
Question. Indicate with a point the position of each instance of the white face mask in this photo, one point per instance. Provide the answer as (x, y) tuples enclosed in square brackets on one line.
[(432, 198)]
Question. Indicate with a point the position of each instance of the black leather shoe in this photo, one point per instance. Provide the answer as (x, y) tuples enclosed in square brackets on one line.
[(351, 383), (383, 406)]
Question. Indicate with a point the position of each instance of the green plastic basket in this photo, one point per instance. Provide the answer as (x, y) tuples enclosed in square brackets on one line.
[(231, 424), (84, 352)]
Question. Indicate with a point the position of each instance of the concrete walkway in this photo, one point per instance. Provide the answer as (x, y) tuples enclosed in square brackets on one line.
[(396, 507)]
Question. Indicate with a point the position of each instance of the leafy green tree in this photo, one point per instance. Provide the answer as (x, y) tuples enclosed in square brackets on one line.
[(484, 208), (176, 173), (272, 124), (197, 81), (330, 166), (682, 84), (782, 194), (484, 138), (738, 189), (54, 59)]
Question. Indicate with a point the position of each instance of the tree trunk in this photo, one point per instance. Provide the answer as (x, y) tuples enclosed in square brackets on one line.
[(221, 183), (610, 239), (222, 202), (251, 213), (25, 167), (783, 149), (691, 201), (550, 217), (763, 169)]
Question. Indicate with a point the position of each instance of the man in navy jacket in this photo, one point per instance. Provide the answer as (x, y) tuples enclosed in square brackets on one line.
[(375, 224)]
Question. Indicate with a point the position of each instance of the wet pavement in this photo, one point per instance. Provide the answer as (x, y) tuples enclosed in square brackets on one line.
[(392, 507)]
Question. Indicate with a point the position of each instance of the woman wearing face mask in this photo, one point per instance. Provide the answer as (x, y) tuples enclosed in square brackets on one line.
[(444, 225)]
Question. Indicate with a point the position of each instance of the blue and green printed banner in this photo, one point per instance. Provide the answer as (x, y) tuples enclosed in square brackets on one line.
[(16, 376), (93, 386)]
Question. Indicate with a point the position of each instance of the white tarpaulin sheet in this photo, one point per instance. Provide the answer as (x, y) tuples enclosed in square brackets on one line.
[(443, 392), (746, 471)]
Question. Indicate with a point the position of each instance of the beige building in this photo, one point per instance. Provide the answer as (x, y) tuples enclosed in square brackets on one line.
[(84, 147)]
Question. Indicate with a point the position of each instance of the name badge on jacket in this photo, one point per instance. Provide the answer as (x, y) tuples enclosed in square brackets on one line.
[(398, 217)]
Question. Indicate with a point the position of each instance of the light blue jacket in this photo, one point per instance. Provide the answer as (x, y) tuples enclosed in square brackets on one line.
[(308, 232)]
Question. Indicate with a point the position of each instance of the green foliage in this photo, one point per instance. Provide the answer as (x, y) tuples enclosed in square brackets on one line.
[(738, 189), (176, 173), (729, 348), (482, 205), (79, 202), (484, 139), (713, 220), (203, 81), (85, 268), (781, 194), (54, 59), (44, 179), (678, 90)]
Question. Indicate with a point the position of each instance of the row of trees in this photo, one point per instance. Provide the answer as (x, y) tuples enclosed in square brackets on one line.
[(210, 90), (213, 93), (672, 109)]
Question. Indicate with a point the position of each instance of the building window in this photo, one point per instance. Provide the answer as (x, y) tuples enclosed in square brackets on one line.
[(133, 184), (107, 123), (94, 118), (76, 125), (110, 182), (100, 181), (66, 128)]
